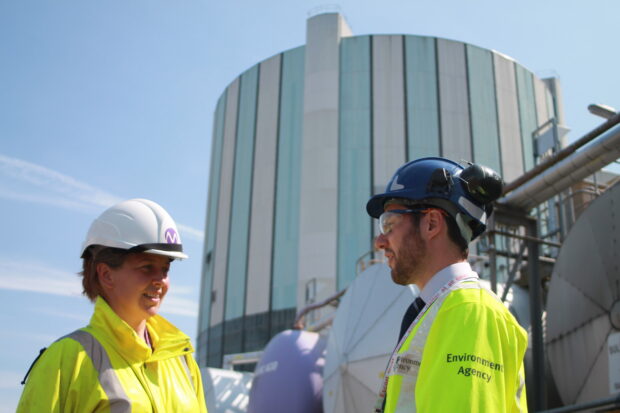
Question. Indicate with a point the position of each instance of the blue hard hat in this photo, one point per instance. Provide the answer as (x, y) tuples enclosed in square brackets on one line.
[(466, 193)]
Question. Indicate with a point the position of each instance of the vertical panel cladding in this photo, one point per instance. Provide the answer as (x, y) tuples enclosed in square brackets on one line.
[(233, 336), (281, 320), (209, 246), (201, 348), (527, 113), (483, 110), (421, 94), (540, 96), (223, 206), (319, 177), (354, 152), (549, 102), (241, 196), (214, 345), (263, 188), (453, 100), (388, 121), (554, 99), (508, 118), (256, 331), (288, 175)]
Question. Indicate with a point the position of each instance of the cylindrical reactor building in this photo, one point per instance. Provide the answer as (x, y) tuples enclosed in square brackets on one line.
[(304, 138)]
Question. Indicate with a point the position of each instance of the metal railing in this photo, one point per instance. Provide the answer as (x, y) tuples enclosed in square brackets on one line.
[(370, 258)]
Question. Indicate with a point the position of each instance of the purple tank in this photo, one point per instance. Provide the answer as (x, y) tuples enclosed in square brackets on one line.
[(289, 376)]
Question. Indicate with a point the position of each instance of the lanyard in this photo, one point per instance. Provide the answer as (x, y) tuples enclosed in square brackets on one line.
[(449, 286)]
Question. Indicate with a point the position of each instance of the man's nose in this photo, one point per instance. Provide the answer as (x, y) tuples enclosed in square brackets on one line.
[(380, 242)]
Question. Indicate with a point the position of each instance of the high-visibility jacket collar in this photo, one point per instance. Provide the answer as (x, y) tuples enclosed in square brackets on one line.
[(444, 276), (167, 340)]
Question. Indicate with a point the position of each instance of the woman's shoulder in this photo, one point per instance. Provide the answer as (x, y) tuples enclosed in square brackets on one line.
[(66, 346), (61, 354)]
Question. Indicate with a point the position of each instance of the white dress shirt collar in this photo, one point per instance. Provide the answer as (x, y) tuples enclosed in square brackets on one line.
[(445, 276)]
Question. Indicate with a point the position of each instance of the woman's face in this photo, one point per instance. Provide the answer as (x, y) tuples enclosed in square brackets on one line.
[(136, 289)]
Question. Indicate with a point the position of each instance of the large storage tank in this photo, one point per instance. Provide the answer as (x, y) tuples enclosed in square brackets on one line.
[(303, 139), (583, 307), (288, 377)]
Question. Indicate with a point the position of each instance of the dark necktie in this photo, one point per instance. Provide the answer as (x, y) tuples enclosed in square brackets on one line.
[(414, 309), (410, 315)]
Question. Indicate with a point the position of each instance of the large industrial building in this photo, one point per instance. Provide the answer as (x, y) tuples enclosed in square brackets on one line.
[(302, 139)]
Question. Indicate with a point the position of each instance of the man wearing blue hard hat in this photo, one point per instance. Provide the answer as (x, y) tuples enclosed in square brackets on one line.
[(460, 349)]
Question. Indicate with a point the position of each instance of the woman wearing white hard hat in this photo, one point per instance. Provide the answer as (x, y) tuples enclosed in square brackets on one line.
[(128, 358)]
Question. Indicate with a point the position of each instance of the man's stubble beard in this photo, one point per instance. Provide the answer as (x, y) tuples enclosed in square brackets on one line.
[(408, 263)]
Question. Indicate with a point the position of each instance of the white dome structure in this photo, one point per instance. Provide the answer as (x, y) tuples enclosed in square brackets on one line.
[(362, 338)]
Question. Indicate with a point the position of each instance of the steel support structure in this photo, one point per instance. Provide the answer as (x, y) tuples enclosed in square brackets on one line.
[(504, 216)]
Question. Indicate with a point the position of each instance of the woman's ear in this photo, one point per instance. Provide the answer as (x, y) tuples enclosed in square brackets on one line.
[(104, 274)]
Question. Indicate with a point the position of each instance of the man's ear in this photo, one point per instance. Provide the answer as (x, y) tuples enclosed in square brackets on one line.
[(104, 274), (433, 223)]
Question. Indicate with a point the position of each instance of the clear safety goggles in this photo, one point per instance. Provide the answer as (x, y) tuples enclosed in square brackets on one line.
[(388, 219)]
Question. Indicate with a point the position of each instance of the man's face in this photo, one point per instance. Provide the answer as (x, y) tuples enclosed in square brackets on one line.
[(404, 247)]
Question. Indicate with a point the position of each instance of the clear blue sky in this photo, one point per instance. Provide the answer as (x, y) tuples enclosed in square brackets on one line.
[(108, 100)]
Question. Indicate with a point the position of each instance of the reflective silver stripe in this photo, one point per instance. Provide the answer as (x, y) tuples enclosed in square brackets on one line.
[(520, 391), (119, 402), (406, 399), (189, 374)]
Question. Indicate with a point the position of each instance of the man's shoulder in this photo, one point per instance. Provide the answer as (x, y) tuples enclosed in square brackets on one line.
[(476, 300), (470, 306)]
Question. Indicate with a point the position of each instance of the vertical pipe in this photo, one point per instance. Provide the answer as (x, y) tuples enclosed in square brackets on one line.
[(493, 262), (493, 258), (539, 395)]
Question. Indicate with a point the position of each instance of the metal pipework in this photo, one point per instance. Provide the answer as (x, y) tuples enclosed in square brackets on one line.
[(299, 323), (564, 153), (603, 111), (574, 168)]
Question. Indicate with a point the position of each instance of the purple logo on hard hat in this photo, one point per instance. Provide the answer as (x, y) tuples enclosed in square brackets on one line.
[(171, 236)]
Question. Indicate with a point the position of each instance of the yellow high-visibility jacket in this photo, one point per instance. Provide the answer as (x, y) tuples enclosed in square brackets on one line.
[(465, 354), (106, 367)]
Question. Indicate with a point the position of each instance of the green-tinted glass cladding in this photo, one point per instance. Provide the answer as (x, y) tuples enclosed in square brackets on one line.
[(214, 192), (421, 95), (242, 196), (354, 153), (209, 248), (527, 113), (288, 177), (483, 108)]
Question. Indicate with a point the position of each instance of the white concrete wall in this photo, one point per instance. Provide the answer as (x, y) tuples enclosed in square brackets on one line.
[(319, 174), (555, 88), (258, 289), (540, 92), (223, 207), (388, 92)]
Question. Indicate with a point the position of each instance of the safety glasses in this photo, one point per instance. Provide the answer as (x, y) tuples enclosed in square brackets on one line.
[(388, 219)]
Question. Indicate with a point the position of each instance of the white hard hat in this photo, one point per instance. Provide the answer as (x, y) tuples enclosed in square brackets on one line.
[(139, 225)]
